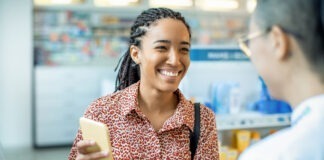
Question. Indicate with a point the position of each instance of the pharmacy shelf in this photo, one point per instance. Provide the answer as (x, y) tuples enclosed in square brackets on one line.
[(251, 120), (190, 11), (91, 8)]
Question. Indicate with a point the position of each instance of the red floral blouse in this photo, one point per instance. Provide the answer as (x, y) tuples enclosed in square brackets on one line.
[(133, 137)]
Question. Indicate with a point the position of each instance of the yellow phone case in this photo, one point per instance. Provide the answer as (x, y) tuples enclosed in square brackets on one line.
[(93, 130)]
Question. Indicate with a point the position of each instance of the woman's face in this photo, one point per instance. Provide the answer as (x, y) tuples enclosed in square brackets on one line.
[(264, 59), (164, 55)]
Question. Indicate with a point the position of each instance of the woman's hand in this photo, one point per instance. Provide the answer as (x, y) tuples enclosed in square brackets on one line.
[(89, 150)]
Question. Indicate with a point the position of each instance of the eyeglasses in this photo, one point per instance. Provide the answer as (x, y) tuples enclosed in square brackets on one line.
[(245, 39)]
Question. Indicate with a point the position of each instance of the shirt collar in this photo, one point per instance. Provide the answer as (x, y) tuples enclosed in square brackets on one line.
[(129, 98), (308, 106), (184, 114)]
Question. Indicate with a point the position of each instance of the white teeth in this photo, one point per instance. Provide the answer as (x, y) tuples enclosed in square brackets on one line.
[(169, 73)]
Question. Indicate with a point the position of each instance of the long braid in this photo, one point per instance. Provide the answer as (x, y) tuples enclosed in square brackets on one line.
[(129, 71)]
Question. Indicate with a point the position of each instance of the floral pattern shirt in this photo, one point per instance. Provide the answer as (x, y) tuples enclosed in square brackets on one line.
[(133, 137)]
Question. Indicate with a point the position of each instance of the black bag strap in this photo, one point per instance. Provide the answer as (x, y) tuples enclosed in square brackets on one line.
[(194, 136)]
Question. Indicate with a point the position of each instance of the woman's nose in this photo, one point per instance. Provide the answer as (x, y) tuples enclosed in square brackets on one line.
[(174, 57)]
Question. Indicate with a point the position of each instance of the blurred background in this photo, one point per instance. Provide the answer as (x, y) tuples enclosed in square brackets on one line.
[(57, 56)]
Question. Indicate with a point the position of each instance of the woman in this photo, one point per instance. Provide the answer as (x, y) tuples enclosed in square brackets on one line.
[(148, 117)]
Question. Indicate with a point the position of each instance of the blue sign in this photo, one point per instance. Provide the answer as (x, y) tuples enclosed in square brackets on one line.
[(215, 54)]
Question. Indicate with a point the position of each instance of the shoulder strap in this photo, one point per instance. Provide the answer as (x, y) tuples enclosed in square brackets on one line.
[(194, 136)]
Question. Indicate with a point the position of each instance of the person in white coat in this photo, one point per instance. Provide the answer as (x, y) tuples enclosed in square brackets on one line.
[(286, 45)]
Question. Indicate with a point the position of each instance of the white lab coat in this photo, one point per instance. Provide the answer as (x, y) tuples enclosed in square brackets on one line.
[(303, 140)]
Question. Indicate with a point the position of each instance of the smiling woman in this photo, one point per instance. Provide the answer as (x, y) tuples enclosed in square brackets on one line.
[(147, 116), (163, 58)]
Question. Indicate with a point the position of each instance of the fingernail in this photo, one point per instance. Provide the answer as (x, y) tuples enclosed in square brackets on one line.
[(92, 142), (104, 153)]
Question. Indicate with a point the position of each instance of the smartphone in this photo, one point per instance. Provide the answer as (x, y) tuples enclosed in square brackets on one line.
[(93, 130)]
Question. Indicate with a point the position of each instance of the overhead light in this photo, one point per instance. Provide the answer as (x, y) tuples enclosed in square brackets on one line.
[(107, 3), (250, 5), (171, 3), (61, 1), (218, 5), (57, 2)]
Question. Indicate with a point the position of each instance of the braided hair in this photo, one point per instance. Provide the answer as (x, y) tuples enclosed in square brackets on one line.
[(129, 71)]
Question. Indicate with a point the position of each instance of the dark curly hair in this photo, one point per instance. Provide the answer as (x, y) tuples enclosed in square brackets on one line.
[(129, 71)]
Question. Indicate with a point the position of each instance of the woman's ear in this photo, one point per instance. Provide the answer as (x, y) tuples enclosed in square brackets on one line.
[(134, 52), (280, 43)]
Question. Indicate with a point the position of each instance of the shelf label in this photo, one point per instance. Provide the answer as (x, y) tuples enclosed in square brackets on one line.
[(201, 54)]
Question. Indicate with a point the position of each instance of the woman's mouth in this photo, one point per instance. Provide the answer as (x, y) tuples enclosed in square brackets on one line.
[(169, 73)]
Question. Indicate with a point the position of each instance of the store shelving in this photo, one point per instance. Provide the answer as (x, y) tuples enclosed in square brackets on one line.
[(83, 40), (89, 6), (251, 120)]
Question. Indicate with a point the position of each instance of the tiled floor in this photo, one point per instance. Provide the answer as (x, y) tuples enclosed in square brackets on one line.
[(35, 154)]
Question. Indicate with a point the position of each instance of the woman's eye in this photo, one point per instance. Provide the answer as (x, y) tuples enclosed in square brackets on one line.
[(161, 48), (184, 49)]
